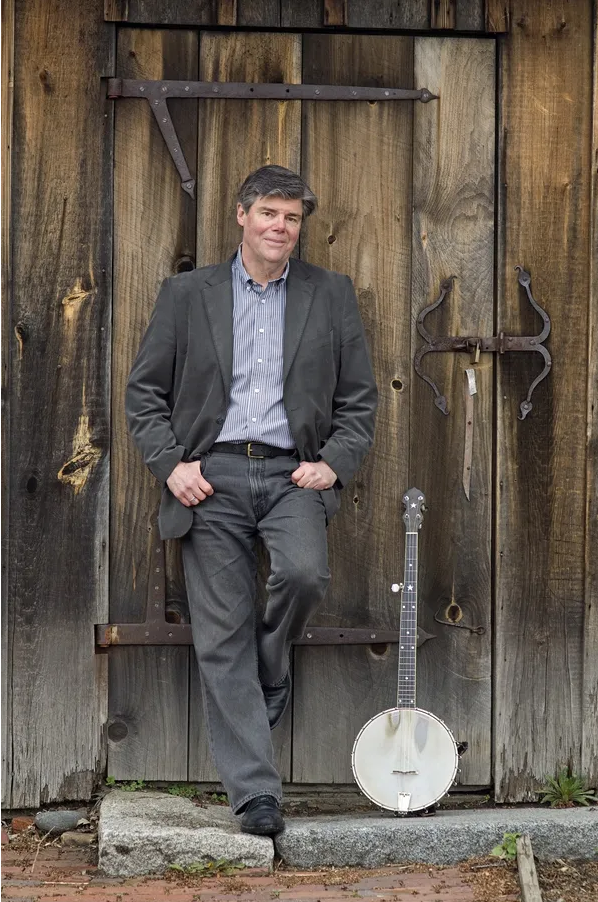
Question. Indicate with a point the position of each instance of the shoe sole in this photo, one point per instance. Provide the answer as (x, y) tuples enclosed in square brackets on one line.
[(263, 831)]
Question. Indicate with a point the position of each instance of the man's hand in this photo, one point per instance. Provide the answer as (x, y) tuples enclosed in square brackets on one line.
[(188, 485), (314, 476)]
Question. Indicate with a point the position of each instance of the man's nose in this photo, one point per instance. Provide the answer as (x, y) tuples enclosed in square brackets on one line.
[(279, 223)]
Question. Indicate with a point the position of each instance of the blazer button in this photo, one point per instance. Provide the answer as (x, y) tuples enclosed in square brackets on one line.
[(220, 420)]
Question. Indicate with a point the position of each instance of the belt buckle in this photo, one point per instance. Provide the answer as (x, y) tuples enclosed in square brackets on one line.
[(255, 456)]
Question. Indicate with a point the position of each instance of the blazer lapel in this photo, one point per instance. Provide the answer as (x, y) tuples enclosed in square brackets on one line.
[(218, 301), (300, 295)]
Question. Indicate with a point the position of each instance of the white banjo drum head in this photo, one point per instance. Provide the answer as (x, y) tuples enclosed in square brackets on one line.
[(404, 759)]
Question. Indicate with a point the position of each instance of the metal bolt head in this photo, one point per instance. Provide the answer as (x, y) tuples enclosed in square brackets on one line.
[(164, 88), (187, 88), (317, 91), (387, 93), (309, 635), (142, 88)]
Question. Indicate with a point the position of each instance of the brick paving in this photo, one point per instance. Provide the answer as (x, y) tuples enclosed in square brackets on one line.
[(71, 876)]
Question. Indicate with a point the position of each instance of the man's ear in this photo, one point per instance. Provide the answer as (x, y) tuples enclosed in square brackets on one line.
[(240, 214)]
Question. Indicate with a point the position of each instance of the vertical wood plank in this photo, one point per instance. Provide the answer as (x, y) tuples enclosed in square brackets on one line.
[(160, 13), (154, 227), (271, 134), (389, 14), (8, 50), (470, 15), (335, 12), (271, 130), (453, 234), (497, 15), (60, 366), (443, 13), (589, 745), (357, 158), (226, 12), (307, 14), (261, 13), (545, 221)]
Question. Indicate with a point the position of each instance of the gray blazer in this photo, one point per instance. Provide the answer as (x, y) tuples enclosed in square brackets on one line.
[(178, 390)]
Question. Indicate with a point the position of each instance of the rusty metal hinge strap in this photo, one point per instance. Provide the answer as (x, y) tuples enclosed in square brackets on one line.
[(158, 92)]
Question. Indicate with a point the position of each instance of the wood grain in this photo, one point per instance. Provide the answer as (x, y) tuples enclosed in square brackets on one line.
[(528, 878), (388, 14), (443, 13), (497, 15), (154, 227), (470, 15), (589, 720), (59, 375), (335, 12), (226, 12), (159, 13), (8, 50), (261, 13), (357, 158), (541, 464), (271, 134), (307, 14), (453, 234)]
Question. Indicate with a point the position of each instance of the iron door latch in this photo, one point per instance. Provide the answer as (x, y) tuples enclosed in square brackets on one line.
[(500, 343)]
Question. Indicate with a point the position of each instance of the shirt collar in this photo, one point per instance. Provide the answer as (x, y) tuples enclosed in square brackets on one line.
[(245, 275)]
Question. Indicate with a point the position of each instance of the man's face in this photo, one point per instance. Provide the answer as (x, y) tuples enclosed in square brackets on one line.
[(270, 231)]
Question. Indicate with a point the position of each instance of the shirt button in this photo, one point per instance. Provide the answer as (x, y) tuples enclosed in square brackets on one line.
[(254, 419), (257, 390), (263, 301), (220, 420), (259, 360), (261, 330)]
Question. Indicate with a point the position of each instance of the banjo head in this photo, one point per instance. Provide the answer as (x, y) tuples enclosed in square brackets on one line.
[(404, 759)]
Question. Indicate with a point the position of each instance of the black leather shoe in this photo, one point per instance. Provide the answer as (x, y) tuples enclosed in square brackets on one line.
[(277, 699), (262, 817)]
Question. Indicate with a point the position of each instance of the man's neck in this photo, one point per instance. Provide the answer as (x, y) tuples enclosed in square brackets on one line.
[(258, 272)]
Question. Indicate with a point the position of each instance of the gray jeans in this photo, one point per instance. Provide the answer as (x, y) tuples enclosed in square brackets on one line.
[(235, 654)]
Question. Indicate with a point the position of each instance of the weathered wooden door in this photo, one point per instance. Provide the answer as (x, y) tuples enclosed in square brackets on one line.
[(406, 199)]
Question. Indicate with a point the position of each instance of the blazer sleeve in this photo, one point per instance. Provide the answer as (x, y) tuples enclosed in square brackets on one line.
[(148, 393), (355, 397)]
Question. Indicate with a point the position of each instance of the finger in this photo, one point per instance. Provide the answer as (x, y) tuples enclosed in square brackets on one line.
[(204, 486), (298, 474)]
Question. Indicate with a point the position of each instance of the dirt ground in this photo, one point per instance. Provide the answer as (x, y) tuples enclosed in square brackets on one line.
[(36, 870)]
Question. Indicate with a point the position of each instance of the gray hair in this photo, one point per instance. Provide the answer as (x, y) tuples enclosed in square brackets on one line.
[(276, 181)]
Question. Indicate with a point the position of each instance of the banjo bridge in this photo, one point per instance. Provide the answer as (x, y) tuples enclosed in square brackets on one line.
[(405, 772)]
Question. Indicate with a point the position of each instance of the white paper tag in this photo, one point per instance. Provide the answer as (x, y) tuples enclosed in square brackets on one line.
[(471, 381)]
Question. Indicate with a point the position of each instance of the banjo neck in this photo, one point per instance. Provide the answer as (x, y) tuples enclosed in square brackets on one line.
[(407, 676)]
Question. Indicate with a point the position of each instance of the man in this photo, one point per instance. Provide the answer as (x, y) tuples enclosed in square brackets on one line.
[(252, 399)]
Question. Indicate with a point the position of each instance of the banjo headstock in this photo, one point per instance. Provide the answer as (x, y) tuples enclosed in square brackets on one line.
[(414, 502)]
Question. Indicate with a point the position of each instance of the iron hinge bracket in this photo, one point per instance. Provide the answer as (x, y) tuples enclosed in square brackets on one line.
[(497, 344), (158, 92)]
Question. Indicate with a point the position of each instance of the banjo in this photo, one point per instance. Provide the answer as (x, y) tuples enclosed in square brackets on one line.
[(405, 759)]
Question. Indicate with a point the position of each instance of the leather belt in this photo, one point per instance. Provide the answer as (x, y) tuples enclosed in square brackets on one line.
[(252, 449)]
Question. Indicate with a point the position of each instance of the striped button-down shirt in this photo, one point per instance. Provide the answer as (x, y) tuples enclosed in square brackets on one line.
[(256, 411)]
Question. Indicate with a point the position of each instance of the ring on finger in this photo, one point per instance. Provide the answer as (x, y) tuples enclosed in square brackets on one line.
[(193, 498)]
